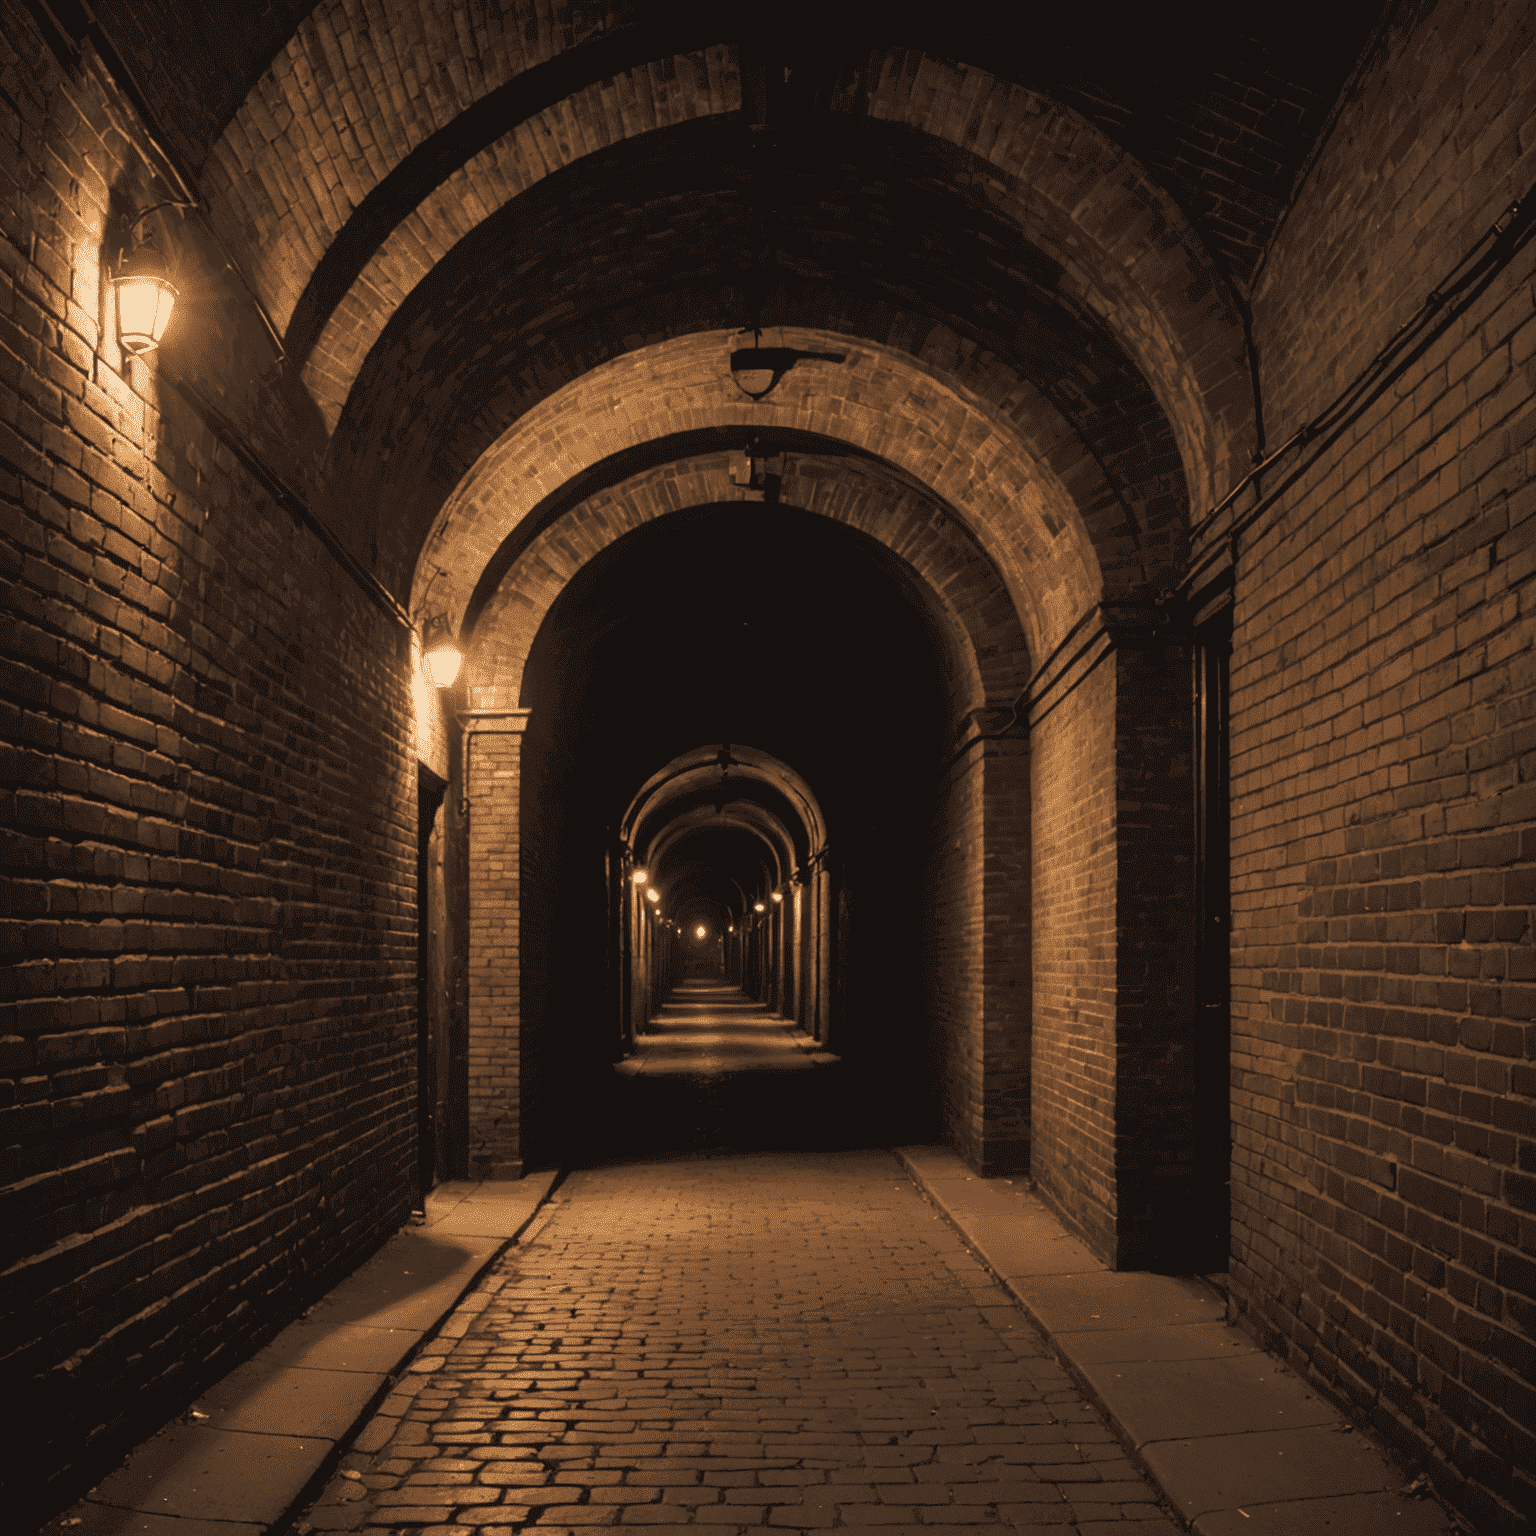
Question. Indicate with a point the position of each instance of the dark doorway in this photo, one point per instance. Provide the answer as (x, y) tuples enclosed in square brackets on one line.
[(431, 983)]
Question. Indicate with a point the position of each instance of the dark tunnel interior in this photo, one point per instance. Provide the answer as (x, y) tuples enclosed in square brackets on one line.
[(793, 635)]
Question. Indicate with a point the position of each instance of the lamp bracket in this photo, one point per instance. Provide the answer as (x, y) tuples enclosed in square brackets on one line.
[(133, 237)]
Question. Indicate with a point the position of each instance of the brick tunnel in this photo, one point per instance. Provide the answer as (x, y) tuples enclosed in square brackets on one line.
[(998, 559)]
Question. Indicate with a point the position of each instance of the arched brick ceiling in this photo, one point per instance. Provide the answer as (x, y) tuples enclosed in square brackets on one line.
[(972, 201), (670, 844), (693, 778), (653, 237), (951, 575), (1221, 103), (456, 208), (974, 459)]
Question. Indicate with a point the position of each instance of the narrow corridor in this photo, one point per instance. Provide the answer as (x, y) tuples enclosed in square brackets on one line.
[(718, 1071), (784, 1339), (711, 1030)]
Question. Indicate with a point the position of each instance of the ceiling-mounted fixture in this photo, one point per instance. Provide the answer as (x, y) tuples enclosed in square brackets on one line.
[(440, 651), (142, 285), (756, 369)]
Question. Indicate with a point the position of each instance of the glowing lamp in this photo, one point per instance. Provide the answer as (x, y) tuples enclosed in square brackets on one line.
[(700, 931), (440, 652), (653, 895), (145, 298), (776, 896), (639, 877), (757, 906)]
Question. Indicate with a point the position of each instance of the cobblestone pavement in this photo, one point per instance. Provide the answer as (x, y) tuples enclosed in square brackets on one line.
[(784, 1339)]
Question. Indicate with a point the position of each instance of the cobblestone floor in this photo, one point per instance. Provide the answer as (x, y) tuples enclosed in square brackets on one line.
[(781, 1339)]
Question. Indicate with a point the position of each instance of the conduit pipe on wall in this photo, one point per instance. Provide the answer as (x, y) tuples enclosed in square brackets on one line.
[(1509, 233), (1449, 299)]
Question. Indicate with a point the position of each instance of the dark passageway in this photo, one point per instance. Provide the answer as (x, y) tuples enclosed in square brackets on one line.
[(720, 673), (651, 579), (718, 1073)]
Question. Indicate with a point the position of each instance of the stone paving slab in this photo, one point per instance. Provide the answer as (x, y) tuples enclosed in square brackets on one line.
[(1193, 1395), (1190, 1341), (1266, 1467), (266, 1396), (100, 1520), (316, 1345), (1096, 1303), (198, 1473), (1352, 1515), (1165, 1400)]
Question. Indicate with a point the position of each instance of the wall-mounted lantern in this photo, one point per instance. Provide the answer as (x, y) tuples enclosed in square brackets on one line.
[(143, 287), (440, 651)]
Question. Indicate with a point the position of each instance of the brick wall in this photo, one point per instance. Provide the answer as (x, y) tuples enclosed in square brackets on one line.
[(495, 966), (1160, 1191), (952, 932), (1006, 945), (1384, 853), (208, 842), (1072, 1154)]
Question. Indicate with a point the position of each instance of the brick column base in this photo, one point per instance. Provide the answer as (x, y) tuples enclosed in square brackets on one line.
[(493, 783)]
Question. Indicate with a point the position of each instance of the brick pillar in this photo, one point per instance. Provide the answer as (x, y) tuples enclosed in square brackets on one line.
[(493, 783), (1157, 1074), (825, 917), (1005, 956), (789, 952)]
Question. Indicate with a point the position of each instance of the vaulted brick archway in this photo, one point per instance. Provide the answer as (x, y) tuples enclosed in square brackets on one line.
[(457, 282), (965, 830), (385, 210), (990, 659), (953, 443)]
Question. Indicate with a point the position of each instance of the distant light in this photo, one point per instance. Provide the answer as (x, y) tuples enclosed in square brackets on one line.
[(731, 929), (653, 894), (774, 895), (757, 906), (700, 931), (639, 877)]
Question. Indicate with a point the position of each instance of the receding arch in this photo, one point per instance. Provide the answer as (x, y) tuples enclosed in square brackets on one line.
[(1123, 246), (718, 768), (989, 660), (1016, 509)]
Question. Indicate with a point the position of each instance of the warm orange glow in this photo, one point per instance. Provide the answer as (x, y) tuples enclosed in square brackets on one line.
[(443, 663), (757, 906), (776, 896), (144, 304), (653, 895), (700, 931), (639, 877)]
